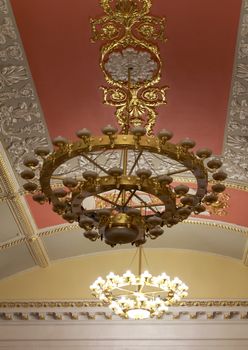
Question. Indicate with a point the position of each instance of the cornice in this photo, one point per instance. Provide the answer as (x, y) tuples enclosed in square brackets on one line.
[(203, 310)]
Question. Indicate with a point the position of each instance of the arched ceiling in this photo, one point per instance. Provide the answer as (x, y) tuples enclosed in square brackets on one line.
[(49, 86)]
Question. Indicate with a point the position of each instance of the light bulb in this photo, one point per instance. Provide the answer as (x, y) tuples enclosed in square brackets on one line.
[(138, 314)]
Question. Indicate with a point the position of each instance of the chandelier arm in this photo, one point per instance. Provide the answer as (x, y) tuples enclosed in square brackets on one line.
[(146, 206), (135, 163), (153, 293), (140, 199), (109, 156), (167, 163), (106, 200), (57, 177), (118, 197), (100, 154), (157, 292), (95, 163), (125, 290), (129, 198), (177, 172), (149, 165)]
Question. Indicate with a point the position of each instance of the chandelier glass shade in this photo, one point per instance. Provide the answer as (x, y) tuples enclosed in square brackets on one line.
[(139, 297), (122, 186)]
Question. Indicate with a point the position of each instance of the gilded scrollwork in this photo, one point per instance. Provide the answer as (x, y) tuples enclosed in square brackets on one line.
[(129, 34), (120, 16), (220, 207), (137, 104)]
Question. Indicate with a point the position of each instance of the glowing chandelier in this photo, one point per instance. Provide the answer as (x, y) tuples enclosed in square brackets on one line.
[(139, 297), (121, 186)]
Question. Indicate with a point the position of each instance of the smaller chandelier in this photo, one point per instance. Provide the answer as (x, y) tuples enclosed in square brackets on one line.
[(139, 297)]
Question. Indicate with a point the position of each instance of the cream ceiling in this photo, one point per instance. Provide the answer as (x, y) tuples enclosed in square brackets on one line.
[(23, 128)]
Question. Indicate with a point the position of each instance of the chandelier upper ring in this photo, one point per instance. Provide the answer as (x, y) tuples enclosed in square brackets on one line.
[(148, 143)]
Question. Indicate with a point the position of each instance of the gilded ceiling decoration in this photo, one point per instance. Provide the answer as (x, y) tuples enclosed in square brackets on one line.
[(129, 34)]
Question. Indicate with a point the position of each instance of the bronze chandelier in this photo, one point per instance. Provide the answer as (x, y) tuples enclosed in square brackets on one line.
[(125, 190)]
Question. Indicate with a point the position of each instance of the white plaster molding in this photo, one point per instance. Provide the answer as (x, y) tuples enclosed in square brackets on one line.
[(74, 325), (67, 311), (22, 126), (235, 150)]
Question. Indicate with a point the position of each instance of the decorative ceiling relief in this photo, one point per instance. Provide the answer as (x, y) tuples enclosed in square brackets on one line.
[(236, 143), (129, 33), (22, 127)]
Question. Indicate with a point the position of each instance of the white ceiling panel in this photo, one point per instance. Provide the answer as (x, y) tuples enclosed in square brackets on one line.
[(8, 226), (14, 260)]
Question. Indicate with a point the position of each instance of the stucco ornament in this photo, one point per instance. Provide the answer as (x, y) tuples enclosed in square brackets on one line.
[(235, 146), (141, 62), (22, 127)]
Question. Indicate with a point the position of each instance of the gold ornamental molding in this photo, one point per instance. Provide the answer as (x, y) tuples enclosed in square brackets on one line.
[(219, 225), (12, 243), (23, 219), (129, 35), (64, 304), (204, 310)]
